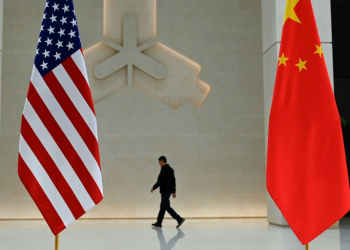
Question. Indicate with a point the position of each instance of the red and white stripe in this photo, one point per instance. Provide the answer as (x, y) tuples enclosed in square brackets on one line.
[(59, 161)]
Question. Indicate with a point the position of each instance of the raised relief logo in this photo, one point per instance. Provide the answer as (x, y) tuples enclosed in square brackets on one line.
[(130, 54)]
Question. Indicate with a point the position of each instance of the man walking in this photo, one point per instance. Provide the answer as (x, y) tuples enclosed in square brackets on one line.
[(167, 184)]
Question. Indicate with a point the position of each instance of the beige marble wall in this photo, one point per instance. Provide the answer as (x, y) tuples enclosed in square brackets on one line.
[(217, 150)]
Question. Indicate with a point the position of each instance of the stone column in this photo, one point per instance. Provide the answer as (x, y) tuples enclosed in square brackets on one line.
[(272, 22)]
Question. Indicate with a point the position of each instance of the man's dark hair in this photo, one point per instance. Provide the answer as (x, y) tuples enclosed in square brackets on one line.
[(163, 159)]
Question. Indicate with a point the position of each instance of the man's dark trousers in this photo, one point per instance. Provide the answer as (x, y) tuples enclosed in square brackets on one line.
[(165, 206)]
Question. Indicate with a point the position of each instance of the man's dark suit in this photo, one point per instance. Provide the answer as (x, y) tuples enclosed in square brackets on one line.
[(167, 183)]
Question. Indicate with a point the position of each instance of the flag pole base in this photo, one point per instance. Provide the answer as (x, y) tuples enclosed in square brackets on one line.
[(307, 246), (57, 242)]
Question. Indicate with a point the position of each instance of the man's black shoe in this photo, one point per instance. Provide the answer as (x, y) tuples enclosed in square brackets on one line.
[(182, 220), (157, 225)]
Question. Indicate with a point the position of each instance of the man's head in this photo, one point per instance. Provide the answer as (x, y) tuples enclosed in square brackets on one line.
[(162, 161)]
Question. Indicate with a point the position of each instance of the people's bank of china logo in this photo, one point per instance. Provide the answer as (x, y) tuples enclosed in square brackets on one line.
[(130, 54)]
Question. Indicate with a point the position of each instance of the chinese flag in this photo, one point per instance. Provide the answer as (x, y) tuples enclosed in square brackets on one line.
[(306, 163)]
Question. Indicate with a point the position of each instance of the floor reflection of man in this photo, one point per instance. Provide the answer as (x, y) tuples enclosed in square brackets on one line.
[(172, 242)]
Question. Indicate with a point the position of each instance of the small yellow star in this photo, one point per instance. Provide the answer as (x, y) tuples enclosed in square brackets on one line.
[(290, 13), (282, 60), (319, 50), (301, 65)]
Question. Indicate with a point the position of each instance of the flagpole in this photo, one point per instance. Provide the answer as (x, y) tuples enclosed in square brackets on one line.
[(57, 240), (307, 246)]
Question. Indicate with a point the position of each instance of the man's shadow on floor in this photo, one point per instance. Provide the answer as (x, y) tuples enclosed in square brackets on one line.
[(171, 243)]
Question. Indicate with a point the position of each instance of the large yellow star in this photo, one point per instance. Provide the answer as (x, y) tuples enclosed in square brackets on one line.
[(290, 13), (319, 50), (301, 65), (282, 60)]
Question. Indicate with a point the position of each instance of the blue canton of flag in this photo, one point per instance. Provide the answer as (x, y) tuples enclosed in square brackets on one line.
[(59, 36)]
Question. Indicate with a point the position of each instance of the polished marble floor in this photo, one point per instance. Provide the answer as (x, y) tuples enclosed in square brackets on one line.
[(223, 234)]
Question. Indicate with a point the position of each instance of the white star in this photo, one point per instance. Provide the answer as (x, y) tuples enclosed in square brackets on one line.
[(53, 18), (37, 52), (55, 7), (44, 16), (72, 33), (73, 11), (57, 56), (64, 20), (48, 42), (73, 22), (59, 44), (39, 41), (46, 53), (42, 28), (44, 65), (47, 5), (61, 32), (70, 45), (51, 30), (65, 8)]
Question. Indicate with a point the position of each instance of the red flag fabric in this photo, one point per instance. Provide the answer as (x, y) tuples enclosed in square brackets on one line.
[(306, 164), (59, 160)]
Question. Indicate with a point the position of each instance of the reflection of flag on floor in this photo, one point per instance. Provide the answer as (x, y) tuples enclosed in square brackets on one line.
[(306, 165), (59, 162)]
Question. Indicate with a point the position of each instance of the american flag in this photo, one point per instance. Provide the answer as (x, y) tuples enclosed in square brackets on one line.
[(59, 162)]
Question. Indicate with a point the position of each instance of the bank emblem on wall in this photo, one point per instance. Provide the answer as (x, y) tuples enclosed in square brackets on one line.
[(130, 54)]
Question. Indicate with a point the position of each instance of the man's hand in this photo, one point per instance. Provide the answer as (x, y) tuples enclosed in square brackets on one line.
[(174, 195), (152, 190)]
